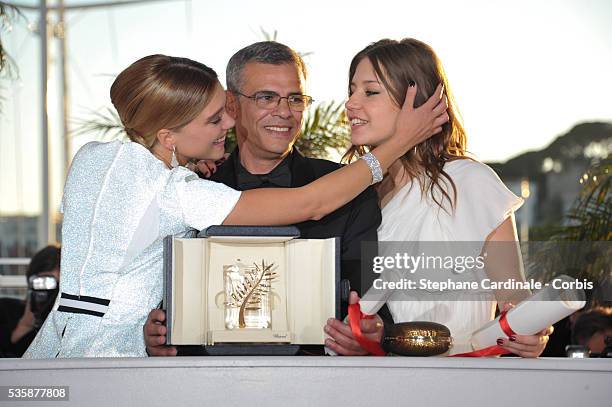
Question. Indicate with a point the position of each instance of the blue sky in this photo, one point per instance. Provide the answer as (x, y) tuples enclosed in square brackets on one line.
[(523, 72)]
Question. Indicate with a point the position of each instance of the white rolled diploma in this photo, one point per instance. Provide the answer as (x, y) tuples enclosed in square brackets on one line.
[(541, 310)]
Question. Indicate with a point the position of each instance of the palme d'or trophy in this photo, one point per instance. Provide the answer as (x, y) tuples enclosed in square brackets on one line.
[(248, 295)]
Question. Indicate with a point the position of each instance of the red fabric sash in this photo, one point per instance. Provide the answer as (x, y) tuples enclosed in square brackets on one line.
[(495, 349), (355, 317)]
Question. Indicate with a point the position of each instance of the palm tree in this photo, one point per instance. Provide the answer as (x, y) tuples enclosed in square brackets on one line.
[(591, 217), (582, 248), (325, 129), (104, 124)]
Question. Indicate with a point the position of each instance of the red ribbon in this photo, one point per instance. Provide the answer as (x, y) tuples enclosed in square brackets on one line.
[(495, 349), (355, 317), (505, 326)]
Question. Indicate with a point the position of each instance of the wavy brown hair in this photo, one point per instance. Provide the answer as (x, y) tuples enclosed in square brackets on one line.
[(396, 63)]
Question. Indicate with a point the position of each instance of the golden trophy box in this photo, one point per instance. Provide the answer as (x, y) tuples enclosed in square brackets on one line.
[(250, 286)]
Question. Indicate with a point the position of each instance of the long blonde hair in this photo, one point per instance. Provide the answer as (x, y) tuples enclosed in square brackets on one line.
[(396, 63), (161, 92)]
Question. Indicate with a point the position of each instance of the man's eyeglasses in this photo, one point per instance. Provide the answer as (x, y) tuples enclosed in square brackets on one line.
[(271, 100)]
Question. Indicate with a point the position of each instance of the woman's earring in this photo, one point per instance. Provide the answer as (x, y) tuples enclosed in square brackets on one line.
[(174, 162)]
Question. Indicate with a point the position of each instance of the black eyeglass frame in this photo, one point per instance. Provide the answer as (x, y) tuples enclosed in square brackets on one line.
[(253, 97)]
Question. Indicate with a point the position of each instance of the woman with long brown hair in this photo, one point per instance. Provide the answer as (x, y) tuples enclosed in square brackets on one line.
[(435, 192), (122, 198)]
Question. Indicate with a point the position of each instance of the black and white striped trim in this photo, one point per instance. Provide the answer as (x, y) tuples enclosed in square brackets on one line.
[(81, 304)]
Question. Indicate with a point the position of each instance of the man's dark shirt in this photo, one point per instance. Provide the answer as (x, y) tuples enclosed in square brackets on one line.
[(279, 177)]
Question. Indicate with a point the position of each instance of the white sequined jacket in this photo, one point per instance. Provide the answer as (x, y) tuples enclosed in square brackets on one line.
[(119, 203)]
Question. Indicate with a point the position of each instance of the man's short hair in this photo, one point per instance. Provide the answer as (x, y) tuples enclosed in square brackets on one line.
[(265, 52)]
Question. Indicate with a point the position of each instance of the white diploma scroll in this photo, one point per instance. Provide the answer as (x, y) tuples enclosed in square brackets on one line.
[(543, 309)]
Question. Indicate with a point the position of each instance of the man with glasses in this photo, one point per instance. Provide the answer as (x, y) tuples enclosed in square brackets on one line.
[(265, 96)]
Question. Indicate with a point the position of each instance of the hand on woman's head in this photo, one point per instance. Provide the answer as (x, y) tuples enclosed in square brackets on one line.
[(424, 121), (408, 77)]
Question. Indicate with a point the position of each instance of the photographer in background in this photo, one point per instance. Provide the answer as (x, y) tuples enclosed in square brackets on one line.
[(19, 320), (593, 329)]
